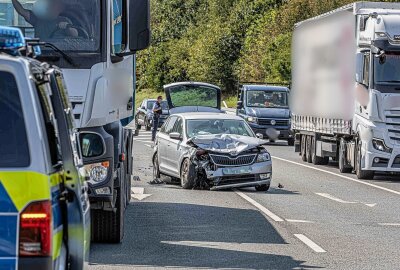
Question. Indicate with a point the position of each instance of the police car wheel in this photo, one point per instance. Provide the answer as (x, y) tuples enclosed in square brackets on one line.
[(107, 226)]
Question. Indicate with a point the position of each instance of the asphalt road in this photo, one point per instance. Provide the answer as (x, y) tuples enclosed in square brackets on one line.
[(318, 219)]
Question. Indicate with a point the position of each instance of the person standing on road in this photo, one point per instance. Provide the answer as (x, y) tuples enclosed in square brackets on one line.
[(157, 111)]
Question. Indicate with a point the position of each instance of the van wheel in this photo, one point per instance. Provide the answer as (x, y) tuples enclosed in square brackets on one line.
[(362, 174), (343, 166), (290, 142), (187, 174), (108, 226), (303, 148), (263, 187)]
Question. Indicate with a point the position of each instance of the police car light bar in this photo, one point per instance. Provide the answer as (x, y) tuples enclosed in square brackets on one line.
[(11, 38)]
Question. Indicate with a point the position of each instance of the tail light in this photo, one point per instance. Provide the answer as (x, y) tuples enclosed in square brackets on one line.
[(35, 230)]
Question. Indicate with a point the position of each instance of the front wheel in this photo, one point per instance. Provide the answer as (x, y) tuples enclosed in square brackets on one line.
[(263, 187), (362, 174), (290, 142), (343, 166), (187, 174)]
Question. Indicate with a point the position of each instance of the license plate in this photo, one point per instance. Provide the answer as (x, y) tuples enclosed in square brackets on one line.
[(233, 171)]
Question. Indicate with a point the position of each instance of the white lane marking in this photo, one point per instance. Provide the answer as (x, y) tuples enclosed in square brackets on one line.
[(310, 243), (328, 196), (260, 207), (143, 135), (370, 204), (138, 193), (299, 221), (148, 145), (339, 175), (144, 141), (390, 224)]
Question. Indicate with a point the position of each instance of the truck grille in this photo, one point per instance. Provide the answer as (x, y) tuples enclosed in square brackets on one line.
[(243, 160), (267, 122)]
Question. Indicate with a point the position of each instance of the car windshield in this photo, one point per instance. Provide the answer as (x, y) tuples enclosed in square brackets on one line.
[(71, 25), (267, 99), (150, 104), (387, 68), (217, 126)]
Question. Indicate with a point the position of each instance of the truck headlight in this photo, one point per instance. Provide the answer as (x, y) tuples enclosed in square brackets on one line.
[(251, 119), (97, 171), (381, 146), (263, 157)]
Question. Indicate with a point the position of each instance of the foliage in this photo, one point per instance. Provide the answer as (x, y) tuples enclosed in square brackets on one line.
[(223, 41)]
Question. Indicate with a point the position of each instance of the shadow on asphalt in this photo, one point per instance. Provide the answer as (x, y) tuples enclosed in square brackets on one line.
[(154, 233)]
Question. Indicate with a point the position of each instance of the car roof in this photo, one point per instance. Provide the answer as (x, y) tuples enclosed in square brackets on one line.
[(192, 83), (202, 115), (265, 87)]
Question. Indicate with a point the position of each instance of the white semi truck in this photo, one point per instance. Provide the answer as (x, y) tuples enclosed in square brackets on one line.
[(94, 43), (345, 97)]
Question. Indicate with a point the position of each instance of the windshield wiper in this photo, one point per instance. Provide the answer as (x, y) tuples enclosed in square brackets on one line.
[(36, 42)]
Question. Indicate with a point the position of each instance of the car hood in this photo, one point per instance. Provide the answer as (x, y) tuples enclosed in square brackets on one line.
[(268, 112), (226, 143)]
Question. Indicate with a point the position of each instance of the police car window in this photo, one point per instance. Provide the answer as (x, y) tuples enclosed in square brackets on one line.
[(14, 150)]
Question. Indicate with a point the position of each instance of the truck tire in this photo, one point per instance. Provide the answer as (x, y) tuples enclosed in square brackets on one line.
[(361, 174), (316, 160), (343, 166), (187, 174), (303, 148), (290, 142), (308, 148), (108, 226), (263, 187)]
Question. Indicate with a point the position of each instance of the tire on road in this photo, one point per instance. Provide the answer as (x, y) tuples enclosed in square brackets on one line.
[(147, 123), (316, 160), (108, 226), (361, 174), (343, 166), (263, 187), (303, 148), (291, 142), (308, 149), (187, 174)]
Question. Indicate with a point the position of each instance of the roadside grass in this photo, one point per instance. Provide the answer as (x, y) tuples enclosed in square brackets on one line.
[(231, 101)]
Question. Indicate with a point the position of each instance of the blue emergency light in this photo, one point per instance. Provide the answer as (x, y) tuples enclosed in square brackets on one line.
[(11, 38)]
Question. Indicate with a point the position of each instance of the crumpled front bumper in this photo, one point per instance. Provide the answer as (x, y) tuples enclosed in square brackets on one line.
[(222, 180)]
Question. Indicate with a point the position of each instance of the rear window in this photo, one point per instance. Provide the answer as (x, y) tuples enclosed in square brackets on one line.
[(194, 96), (14, 150)]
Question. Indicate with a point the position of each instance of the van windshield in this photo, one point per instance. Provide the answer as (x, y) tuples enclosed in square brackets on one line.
[(267, 99), (14, 150)]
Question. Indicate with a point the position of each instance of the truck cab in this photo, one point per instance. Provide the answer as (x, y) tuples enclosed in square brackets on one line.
[(44, 205), (266, 109)]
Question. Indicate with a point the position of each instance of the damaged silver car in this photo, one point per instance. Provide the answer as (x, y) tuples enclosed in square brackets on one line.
[(210, 150)]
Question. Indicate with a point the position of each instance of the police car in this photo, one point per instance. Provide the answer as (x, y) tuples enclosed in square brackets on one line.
[(44, 206)]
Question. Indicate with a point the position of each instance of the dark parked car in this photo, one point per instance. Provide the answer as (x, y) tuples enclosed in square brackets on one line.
[(144, 114)]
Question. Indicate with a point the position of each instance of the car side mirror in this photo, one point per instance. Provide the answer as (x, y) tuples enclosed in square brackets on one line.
[(175, 136), (240, 105), (139, 25), (260, 136)]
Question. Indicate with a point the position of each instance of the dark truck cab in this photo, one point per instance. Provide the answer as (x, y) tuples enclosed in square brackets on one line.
[(266, 110)]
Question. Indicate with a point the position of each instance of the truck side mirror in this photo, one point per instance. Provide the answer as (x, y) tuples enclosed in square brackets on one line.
[(240, 105), (360, 68), (139, 25)]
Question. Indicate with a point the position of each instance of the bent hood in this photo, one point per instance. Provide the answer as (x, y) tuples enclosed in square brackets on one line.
[(268, 112), (227, 143)]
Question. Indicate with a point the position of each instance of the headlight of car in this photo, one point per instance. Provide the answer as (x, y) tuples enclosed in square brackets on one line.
[(97, 171), (263, 157), (251, 119)]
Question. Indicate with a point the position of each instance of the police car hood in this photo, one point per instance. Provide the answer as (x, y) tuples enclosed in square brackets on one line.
[(226, 143)]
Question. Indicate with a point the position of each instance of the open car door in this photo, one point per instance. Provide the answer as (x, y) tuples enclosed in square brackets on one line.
[(193, 97)]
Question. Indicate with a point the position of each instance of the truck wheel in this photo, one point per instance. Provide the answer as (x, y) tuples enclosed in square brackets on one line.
[(108, 226), (343, 166), (263, 187), (308, 148), (303, 148), (316, 160), (290, 142), (187, 174), (361, 174)]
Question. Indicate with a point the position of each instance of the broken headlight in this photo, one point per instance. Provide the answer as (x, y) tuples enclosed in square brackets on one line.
[(202, 154), (263, 157)]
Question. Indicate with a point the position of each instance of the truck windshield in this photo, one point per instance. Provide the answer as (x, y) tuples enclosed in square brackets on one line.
[(267, 99), (71, 25), (387, 68)]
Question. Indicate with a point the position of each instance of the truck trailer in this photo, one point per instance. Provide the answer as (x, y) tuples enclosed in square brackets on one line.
[(345, 97)]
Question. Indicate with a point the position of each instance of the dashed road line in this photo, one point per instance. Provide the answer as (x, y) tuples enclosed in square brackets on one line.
[(390, 224), (330, 197), (299, 221), (338, 175), (260, 207), (310, 243)]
